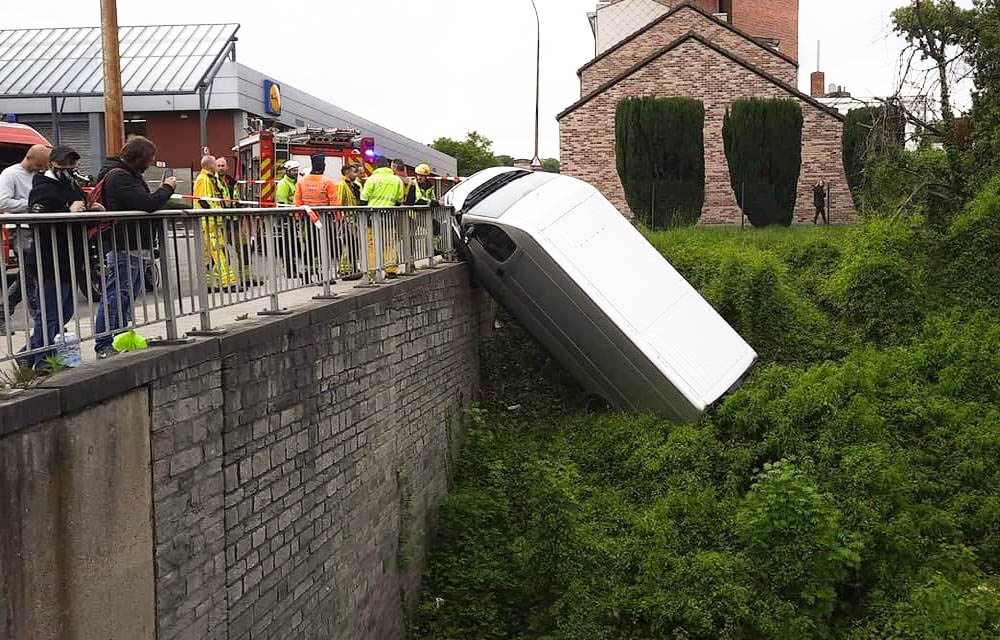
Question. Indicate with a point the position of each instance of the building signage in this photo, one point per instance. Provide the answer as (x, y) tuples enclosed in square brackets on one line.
[(272, 98)]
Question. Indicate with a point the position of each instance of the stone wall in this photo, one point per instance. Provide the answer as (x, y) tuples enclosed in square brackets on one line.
[(587, 132), (296, 463), (682, 21)]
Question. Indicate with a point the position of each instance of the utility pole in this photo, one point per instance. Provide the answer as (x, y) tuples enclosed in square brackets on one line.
[(536, 162), (114, 117)]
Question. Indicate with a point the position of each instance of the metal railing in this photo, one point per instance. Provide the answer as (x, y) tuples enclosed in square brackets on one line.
[(92, 276)]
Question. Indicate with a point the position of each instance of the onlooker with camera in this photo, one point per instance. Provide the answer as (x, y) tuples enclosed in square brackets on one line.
[(123, 188), (55, 191)]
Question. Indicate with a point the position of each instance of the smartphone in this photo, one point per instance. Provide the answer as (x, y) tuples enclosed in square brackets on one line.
[(168, 173)]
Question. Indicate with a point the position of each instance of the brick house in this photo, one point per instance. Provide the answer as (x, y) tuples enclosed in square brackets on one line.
[(694, 50)]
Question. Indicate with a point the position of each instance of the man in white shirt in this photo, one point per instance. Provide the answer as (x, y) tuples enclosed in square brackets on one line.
[(15, 186)]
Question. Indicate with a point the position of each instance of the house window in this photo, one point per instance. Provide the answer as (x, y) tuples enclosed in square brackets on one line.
[(726, 7)]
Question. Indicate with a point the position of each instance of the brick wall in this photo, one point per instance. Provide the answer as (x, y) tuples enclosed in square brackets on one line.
[(587, 136), (296, 463), (684, 21), (770, 19)]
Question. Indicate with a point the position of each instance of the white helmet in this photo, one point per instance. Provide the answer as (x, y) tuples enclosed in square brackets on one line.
[(291, 164)]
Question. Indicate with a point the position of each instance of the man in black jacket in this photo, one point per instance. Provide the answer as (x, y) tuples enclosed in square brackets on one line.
[(49, 263), (127, 250)]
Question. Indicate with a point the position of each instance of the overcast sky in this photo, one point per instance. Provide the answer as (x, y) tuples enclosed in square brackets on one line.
[(430, 68)]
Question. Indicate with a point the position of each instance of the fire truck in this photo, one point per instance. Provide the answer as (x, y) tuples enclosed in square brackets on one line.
[(260, 157)]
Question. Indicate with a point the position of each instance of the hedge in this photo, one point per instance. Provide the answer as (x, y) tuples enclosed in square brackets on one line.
[(660, 153), (763, 142)]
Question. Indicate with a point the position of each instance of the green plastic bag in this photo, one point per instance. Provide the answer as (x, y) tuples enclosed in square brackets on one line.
[(129, 341)]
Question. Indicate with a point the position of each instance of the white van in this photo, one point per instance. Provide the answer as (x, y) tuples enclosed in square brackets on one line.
[(561, 258)]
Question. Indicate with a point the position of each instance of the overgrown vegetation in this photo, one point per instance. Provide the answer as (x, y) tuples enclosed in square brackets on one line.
[(660, 152), (849, 489), (763, 142)]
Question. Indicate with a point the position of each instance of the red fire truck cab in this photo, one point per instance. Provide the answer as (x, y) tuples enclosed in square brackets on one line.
[(260, 158)]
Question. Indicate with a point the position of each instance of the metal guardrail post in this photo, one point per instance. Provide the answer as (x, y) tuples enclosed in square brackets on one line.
[(430, 239), (447, 239), (406, 240), (200, 282), (270, 246), (326, 255), (166, 284), (367, 269)]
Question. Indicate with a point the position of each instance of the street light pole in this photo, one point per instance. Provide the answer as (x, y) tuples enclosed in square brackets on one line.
[(536, 162), (114, 119)]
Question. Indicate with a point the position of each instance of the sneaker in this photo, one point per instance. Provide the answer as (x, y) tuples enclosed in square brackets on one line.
[(107, 352)]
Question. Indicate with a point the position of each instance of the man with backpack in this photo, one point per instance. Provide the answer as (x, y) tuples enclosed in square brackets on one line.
[(122, 187)]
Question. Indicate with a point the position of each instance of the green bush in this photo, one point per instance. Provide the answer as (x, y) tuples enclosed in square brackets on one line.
[(868, 133), (971, 255), (847, 489), (660, 152), (763, 142), (752, 293), (880, 284), (904, 183)]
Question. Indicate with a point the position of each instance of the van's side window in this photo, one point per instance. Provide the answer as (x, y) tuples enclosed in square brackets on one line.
[(496, 241)]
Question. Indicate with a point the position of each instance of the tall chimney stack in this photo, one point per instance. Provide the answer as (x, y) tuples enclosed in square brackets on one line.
[(817, 80)]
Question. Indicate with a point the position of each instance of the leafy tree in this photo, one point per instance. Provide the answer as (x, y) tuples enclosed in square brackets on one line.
[(504, 161), (763, 142), (660, 153), (551, 165), (936, 30), (474, 154), (869, 131), (982, 45)]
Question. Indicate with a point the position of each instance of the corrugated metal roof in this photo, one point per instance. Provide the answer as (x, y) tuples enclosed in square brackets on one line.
[(168, 59)]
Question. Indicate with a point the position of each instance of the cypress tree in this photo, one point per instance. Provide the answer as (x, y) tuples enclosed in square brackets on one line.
[(660, 152), (763, 142)]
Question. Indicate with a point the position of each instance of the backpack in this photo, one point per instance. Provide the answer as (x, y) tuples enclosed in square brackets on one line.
[(96, 196)]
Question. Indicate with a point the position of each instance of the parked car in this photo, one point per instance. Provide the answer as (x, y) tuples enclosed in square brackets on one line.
[(581, 279)]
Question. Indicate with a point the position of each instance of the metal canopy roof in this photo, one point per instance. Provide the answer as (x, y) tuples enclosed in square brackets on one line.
[(164, 59)]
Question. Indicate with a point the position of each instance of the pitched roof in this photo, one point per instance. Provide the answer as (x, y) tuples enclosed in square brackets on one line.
[(711, 45), (161, 59), (671, 13)]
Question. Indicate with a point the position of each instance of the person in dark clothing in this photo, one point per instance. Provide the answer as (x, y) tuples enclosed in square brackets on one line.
[(125, 189), (50, 262), (819, 199)]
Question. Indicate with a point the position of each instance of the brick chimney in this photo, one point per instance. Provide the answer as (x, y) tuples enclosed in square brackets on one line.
[(817, 84), (817, 80)]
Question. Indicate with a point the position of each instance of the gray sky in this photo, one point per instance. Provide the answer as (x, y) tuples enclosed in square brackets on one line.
[(435, 68)]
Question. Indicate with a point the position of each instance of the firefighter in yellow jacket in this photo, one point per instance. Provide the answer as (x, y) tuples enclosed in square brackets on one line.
[(208, 195)]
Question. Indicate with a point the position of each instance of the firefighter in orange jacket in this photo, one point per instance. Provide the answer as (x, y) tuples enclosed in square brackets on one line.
[(317, 190)]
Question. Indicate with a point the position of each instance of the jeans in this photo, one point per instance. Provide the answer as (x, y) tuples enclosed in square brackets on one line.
[(53, 293), (124, 282)]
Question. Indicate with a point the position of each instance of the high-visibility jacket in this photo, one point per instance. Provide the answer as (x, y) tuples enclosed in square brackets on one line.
[(207, 186), (345, 193), (383, 189), (285, 193), (417, 195), (316, 190)]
